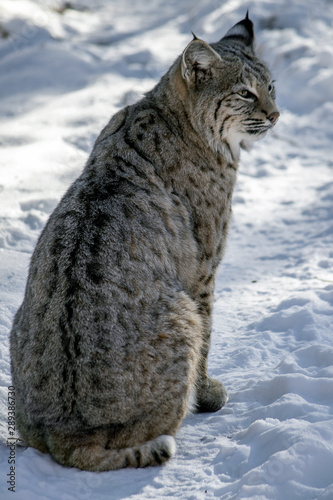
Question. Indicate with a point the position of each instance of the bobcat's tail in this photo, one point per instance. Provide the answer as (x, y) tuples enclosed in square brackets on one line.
[(94, 457)]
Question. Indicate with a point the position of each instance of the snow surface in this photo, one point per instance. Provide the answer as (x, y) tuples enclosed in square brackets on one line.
[(63, 73)]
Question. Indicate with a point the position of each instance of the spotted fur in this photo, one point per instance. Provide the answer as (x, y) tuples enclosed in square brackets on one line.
[(110, 345)]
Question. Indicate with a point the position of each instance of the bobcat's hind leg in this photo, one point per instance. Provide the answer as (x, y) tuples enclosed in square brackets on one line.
[(166, 384)]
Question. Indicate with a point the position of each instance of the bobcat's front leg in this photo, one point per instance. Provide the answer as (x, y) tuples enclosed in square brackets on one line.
[(211, 394)]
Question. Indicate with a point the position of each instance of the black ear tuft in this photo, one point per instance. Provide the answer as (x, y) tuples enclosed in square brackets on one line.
[(243, 31)]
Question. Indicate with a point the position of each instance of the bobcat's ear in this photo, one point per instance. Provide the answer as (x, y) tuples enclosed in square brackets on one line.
[(242, 31), (198, 61)]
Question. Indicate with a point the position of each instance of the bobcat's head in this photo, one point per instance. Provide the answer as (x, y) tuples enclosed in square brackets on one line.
[(230, 91)]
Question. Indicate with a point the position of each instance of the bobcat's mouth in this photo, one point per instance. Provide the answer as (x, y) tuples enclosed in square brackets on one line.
[(258, 127), (259, 131), (254, 131)]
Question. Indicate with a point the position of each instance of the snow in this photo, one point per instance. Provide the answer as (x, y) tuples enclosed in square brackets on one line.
[(63, 73)]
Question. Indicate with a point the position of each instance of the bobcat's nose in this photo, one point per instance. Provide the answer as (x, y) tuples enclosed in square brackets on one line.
[(273, 116)]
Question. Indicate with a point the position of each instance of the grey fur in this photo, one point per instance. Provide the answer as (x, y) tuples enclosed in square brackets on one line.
[(113, 335)]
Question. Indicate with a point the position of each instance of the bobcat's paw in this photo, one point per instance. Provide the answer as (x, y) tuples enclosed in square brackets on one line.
[(211, 396)]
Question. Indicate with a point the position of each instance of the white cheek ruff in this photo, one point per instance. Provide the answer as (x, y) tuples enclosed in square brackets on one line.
[(234, 139), (235, 131)]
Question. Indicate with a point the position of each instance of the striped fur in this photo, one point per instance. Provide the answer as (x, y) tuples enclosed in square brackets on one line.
[(112, 339)]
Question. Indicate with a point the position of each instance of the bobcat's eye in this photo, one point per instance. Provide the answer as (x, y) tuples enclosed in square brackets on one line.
[(246, 94), (271, 87)]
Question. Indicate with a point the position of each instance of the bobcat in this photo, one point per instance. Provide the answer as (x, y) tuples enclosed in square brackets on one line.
[(110, 345)]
